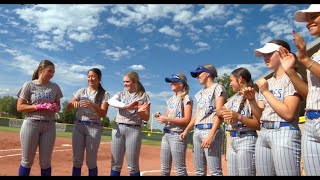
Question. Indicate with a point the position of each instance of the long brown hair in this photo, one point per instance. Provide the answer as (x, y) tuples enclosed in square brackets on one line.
[(135, 79), (101, 91), (246, 75), (43, 64)]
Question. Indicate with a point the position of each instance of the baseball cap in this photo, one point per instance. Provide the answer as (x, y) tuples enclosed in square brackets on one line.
[(173, 78), (300, 15), (267, 48), (201, 69)]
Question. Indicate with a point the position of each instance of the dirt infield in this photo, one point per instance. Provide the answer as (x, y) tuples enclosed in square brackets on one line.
[(10, 156)]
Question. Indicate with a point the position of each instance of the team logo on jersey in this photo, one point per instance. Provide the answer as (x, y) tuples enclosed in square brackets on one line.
[(278, 93), (44, 96)]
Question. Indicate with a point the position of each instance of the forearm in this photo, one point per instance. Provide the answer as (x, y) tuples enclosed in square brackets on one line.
[(215, 126), (256, 110), (191, 124), (144, 115), (252, 123), (298, 83), (26, 108), (314, 68), (278, 106), (181, 121)]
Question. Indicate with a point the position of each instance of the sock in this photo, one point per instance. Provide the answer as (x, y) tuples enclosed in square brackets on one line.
[(93, 172), (24, 171), (114, 173), (76, 171), (135, 174), (46, 172)]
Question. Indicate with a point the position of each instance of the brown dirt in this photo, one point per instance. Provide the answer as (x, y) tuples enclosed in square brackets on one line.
[(10, 156)]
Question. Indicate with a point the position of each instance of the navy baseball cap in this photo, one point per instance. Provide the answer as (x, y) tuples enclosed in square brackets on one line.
[(173, 78), (201, 69)]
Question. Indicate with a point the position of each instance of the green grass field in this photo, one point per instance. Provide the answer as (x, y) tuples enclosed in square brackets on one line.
[(69, 134)]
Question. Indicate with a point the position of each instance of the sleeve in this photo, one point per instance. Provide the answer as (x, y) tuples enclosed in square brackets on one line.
[(220, 91), (59, 93), (115, 101), (25, 91), (106, 97), (228, 104), (78, 93)]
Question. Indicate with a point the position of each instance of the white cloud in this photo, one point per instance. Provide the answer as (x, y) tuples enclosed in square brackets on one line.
[(267, 7), (118, 53), (67, 21), (147, 28), (171, 47), (137, 67), (169, 31)]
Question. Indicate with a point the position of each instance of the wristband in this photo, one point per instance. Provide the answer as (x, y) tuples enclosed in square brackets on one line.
[(240, 117), (310, 64)]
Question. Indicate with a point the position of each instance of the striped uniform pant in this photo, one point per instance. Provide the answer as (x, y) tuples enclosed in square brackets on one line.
[(34, 134), (211, 155), (173, 149), (278, 152), (86, 138), (241, 156), (311, 147), (126, 139)]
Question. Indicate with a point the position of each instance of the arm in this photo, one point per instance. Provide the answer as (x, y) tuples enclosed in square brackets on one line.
[(303, 57), (23, 106), (287, 62), (285, 109), (73, 103), (144, 111), (232, 116), (184, 120), (216, 124)]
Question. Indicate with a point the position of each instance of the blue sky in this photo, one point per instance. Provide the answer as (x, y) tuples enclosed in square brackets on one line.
[(153, 40)]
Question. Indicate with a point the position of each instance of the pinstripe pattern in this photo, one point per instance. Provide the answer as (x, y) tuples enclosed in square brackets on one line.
[(42, 134), (311, 133), (130, 116), (310, 147), (211, 155), (175, 110), (206, 103), (280, 88), (278, 156), (127, 139), (313, 98), (34, 131), (278, 150), (35, 93), (86, 137), (171, 147), (241, 154), (204, 156)]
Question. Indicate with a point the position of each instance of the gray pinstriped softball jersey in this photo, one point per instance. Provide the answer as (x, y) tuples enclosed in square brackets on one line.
[(173, 149), (278, 150), (241, 152), (127, 139), (206, 99), (34, 130), (86, 137), (311, 132)]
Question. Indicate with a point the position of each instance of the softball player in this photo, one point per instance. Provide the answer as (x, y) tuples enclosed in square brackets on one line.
[(207, 137), (237, 113), (39, 99), (310, 142), (134, 106), (176, 119), (92, 105), (278, 143)]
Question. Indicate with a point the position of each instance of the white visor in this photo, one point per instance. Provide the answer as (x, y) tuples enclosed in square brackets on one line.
[(266, 49), (300, 15)]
